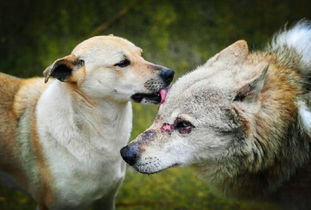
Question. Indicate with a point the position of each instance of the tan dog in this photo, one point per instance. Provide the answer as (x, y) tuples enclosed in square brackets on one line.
[(244, 118), (60, 141)]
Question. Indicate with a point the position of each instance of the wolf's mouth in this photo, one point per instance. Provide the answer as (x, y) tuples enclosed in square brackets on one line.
[(154, 98)]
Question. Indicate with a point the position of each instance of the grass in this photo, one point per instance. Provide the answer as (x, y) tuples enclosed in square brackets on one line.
[(177, 188)]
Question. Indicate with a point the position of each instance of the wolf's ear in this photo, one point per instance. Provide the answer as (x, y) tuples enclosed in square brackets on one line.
[(233, 54), (63, 68), (249, 91)]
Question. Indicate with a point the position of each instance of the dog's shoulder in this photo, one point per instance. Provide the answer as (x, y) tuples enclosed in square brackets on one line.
[(9, 86), (17, 93), (28, 94)]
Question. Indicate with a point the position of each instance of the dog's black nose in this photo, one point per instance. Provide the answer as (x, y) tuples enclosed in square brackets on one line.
[(130, 154), (167, 75)]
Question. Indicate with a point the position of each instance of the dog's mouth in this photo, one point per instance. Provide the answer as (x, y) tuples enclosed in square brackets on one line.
[(154, 98)]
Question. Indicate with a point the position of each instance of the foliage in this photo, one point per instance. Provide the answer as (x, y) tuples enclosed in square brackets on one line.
[(180, 34), (174, 189)]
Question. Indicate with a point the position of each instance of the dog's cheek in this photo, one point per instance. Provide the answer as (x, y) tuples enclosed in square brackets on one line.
[(79, 76)]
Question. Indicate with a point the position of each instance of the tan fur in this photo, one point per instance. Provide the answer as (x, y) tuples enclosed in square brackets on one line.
[(80, 96), (55, 133), (45, 194), (277, 98), (28, 94), (8, 88), (15, 97)]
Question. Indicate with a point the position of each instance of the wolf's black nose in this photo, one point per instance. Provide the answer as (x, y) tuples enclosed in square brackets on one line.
[(130, 154), (167, 75)]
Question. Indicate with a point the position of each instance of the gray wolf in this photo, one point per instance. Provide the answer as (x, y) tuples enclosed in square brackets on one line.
[(244, 119), (60, 140)]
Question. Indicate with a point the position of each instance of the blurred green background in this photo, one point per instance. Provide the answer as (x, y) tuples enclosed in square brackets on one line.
[(180, 34)]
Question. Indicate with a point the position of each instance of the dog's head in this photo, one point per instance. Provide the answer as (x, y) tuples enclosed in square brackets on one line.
[(203, 118), (112, 67)]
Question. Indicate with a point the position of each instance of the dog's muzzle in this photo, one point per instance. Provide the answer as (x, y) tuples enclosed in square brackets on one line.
[(158, 88)]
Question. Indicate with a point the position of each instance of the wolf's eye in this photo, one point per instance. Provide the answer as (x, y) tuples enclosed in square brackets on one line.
[(123, 63), (183, 126)]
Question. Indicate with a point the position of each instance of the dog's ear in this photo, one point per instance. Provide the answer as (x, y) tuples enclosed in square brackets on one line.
[(63, 68), (234, 54), (250, 90)]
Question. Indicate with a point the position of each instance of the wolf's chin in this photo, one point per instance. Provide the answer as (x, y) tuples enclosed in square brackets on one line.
[(157, 171)]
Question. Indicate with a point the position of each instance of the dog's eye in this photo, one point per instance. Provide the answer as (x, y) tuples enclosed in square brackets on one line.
[(183, 126), (123, 63)]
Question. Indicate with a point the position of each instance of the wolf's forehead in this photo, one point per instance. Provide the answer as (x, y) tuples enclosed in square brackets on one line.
[(212, 90), (203, 78), (195, 101), (212, 95)]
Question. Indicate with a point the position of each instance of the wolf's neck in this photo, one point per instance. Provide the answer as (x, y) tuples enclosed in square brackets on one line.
[(285, 181), (267, 172), (295, 193)]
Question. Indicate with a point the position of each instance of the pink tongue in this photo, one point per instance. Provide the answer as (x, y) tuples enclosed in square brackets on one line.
[(163, 94)]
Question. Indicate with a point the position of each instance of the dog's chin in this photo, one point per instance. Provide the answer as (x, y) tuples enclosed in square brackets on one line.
[(147, 98)]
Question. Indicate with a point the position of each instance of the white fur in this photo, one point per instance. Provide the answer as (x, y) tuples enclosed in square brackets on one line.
[(82, 123), (81, 149), (299, 38), (305, 115), (83, 130)]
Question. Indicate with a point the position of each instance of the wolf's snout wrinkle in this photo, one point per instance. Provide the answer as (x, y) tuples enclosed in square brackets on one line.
[(167, 75), (129, 154)]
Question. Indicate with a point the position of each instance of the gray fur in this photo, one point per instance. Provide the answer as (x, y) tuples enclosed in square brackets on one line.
[(252, 122)]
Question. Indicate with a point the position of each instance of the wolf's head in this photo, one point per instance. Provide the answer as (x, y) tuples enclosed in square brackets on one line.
[(233, 114), (243, 117), (202, 118)]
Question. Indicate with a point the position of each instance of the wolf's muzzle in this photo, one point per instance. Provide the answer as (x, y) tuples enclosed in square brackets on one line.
[(130, 154)]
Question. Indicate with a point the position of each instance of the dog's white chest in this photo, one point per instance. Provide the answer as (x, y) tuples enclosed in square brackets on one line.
[(86, 172), (85, 182), (82, 151)]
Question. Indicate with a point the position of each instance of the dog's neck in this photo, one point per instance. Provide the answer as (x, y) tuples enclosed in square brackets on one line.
[(92, 112), (83, 105), (79, 122)]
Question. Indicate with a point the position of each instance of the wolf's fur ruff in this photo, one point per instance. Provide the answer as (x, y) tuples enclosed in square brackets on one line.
[(244, 119)]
